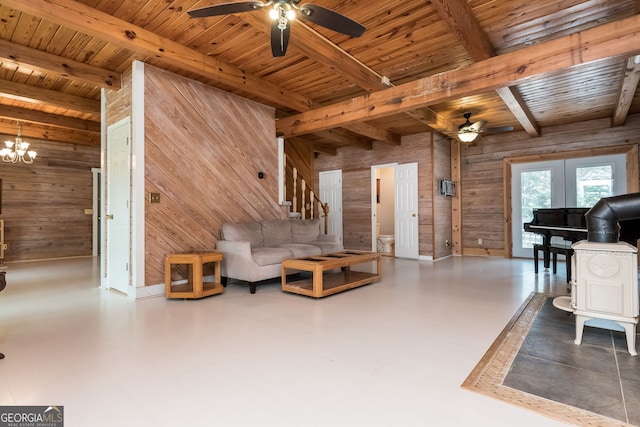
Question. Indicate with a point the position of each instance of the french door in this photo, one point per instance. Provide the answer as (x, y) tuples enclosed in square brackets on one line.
[(578, 182)]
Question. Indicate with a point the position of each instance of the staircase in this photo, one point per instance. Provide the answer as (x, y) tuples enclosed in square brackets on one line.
[(302, 201)]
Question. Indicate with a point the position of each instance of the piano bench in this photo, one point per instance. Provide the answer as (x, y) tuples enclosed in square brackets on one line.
[(553, 252)]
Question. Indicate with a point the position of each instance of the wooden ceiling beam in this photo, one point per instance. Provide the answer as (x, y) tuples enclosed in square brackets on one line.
[(314, 45), (459, 17), (513, 100), (36, 132), (90, 21), (36, 95), (628, 88), (342, 137), (609, 40), (62, 67), (372, 132), (324, 51), (319, 147), (39, 117)]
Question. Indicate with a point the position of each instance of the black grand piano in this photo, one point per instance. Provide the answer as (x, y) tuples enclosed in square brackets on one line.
[(570, 224)]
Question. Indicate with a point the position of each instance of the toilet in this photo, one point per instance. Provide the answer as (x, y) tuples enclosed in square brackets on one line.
[(385, 241)]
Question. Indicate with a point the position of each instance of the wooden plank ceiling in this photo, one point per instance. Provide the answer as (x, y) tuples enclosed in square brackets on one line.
[(420, 64)]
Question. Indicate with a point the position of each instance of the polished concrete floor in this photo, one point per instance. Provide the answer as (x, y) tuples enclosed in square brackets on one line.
[(393, 353)]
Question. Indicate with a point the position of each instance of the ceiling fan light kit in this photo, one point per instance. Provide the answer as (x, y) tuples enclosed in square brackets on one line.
[(467, 137), (468, 132), (282, 13)]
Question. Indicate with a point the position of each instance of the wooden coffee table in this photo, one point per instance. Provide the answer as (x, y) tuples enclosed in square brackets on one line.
[(325, 282)]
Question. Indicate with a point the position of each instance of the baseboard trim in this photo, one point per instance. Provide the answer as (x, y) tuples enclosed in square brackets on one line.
[(158, 290), (146, 292)]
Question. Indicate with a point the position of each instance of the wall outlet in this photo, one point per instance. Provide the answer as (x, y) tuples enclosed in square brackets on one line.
[(479, 241), (154, 197)]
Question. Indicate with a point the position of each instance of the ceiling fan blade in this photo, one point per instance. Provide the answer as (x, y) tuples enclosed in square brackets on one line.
[(477, 126), (499, 129), (279, 39), (331, 20), (226, 9)]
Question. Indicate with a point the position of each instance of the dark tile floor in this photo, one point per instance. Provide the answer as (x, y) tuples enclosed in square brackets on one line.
[(599, 375)]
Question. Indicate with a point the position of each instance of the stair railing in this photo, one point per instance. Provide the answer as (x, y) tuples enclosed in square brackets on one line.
[(303, 199)]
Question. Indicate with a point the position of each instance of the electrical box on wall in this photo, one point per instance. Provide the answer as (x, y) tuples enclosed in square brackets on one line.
[(447, 188)]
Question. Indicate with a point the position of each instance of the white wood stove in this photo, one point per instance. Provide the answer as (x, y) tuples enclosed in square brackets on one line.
[(604, 290)]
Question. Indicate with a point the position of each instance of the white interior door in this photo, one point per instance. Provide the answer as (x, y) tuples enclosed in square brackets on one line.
[(578, 182), (406, 215), (331, 193), (117, 218)]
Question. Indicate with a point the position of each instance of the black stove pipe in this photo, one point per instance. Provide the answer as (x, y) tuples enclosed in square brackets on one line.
[(602, 219)]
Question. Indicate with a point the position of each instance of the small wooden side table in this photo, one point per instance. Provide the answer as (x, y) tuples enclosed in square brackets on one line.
[(195, 287)]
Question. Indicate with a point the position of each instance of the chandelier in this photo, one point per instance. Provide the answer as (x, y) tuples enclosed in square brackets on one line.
[(15, 152)]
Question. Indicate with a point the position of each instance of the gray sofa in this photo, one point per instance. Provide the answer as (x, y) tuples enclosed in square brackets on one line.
[(254, 251)]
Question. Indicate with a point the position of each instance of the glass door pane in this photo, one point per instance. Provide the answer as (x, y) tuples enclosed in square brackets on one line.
[(592, 184), (534, 185), (535, 188), (591, 178)]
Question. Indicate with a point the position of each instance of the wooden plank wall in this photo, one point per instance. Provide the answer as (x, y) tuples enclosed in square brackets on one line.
[(43, 204), (203, 151), (441, 204), (356, 163), (119, 102), (483, 214)]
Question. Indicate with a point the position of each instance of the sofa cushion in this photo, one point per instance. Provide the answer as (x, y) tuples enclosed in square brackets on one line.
[(304, 231), (250, 231), (269, 256), (276, 233), (301, 250), (327, 247)]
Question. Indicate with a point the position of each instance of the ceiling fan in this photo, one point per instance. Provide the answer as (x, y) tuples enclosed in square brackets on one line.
[(282, 13), (468, 132)]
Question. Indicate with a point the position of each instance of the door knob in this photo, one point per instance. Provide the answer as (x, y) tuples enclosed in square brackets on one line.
[(108, 217), (414, 215)]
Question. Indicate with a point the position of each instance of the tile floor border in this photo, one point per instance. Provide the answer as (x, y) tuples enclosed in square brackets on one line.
[(488, 375)]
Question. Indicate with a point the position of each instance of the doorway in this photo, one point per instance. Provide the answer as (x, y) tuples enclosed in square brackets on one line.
[(576, 182), (383, 206), (394, 208), (331, 193)]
